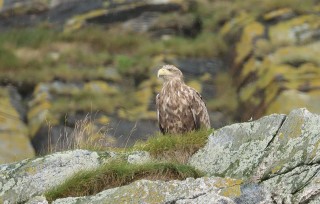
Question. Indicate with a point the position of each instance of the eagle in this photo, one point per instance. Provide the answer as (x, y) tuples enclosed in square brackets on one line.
[(180, 108)]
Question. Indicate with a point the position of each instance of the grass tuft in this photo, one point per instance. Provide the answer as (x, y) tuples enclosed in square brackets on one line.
[(119, 173), (176, 148)]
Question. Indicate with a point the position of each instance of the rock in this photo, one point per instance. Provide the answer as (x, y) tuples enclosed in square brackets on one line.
[(28, 178), (59, 110), (79, 12), (37, 200), (16, 101), (15, 144), (202, 190), (139, 157), (229, 151), (159, 25), (178, 24), (198, 67), (274, 60), (290, 99), (272, 160), (279, 152), (299, 30), (247, 42), (100, 87), (280, 14)]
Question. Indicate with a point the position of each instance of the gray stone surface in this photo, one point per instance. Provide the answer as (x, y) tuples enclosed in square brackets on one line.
[(139, 157), (37, 200), (278, 152), (237, 149), (144, 191), (23, 180), (202, 191)]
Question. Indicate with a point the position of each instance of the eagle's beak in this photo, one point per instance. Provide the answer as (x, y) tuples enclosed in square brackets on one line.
[(163, 72)]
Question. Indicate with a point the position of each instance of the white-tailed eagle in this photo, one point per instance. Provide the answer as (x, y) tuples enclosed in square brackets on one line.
[(180, 108)]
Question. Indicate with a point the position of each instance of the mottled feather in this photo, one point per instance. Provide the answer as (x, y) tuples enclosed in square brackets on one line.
[(180, 108)]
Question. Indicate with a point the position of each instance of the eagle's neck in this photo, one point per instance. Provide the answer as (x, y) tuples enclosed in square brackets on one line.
[(173, 83)]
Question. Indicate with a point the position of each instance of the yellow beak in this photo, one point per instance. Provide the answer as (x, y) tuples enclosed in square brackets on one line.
[(163, 72)]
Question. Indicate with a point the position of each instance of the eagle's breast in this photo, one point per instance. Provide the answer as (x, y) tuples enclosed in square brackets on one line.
[(175, 115)]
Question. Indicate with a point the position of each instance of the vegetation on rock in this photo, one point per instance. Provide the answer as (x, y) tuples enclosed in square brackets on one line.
[(119, 173), (175, 148)]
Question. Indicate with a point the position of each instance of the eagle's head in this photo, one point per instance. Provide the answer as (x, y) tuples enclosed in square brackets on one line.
[(169, 72)]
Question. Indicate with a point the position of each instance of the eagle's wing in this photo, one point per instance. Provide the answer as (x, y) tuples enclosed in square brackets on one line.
[(199, 110), (158, 114)]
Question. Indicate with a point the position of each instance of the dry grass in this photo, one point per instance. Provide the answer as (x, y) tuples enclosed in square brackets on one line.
[(117, 174), (85, 135)]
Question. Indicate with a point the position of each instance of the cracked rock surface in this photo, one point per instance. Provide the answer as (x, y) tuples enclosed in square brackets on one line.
[(201, 190), (33, 177), (278, 152), (272, 160)]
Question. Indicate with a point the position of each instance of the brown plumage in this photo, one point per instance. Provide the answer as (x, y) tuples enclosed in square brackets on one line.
[(180, 108)]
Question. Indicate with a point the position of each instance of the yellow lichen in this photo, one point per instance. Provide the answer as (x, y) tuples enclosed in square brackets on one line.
[(39, 109), (276, 169), (100, 87), (233, 191), (103, 120), (277, 13), (31, 170), (14, 147), (249, 67), (263, 47), (235, 24), (245, 46), (78, 21), (227, 182), (246, 94), (196, 85), (292, 99), (286, 33)]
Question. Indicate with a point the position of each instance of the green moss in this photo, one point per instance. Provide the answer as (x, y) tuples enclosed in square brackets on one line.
[(114, 40), (205, 45), (124, 63), (174, 147), (28, 37), (7, 59), (117, 174)]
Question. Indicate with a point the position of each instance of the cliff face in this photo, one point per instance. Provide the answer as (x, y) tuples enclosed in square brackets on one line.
[(91, 65), (276, 67), (271, 160)]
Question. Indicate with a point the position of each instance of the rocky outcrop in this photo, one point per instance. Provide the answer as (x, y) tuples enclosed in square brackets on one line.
[(15, 144), (278, 152), (276, 67), (75, 13), (272, 160), (202, 190), (32, 177)]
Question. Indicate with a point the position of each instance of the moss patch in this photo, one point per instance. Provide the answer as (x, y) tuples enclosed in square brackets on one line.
[(117, 174)]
